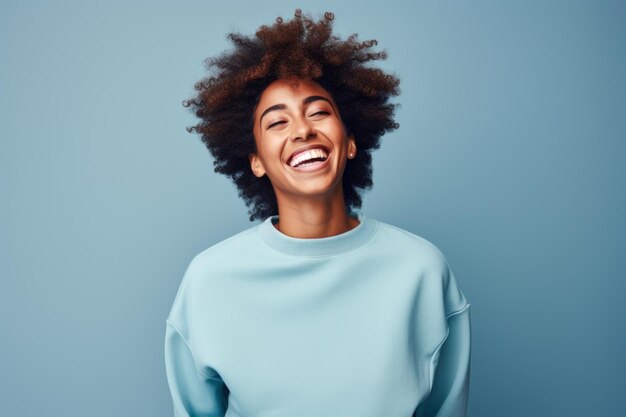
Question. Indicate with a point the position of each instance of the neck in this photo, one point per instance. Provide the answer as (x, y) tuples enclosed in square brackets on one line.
[(314, 218)]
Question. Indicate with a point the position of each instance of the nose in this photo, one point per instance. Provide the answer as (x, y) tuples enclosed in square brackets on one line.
[(302, 129)]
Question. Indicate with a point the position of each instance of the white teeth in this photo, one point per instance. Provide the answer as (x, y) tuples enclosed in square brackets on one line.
[(306, 155)]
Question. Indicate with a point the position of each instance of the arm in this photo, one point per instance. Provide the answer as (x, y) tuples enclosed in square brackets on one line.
[(194, 393), (451, 366)]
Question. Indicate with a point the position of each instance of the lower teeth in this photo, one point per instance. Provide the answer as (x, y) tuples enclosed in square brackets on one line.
[(304, 164)]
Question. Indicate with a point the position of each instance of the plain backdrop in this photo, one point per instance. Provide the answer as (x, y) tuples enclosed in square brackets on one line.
[(510, 157)]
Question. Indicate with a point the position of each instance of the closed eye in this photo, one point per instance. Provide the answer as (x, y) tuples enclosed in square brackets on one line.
[(275, 124), (322, 112)]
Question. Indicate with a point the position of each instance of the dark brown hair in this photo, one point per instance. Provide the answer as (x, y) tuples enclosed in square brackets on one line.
[(303, 48)]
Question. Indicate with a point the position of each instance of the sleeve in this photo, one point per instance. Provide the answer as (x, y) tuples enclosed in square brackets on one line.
[(450, 363), (194, 394)]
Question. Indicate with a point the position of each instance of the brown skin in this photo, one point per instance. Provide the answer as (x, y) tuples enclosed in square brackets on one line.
[(310, 204)]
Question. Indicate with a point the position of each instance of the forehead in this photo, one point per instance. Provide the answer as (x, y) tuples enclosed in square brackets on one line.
[(285, 90)]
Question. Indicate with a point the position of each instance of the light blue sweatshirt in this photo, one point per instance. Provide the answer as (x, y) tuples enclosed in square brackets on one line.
[(367, 323)]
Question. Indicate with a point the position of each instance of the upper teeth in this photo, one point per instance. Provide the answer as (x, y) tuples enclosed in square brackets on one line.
[(306, 155)]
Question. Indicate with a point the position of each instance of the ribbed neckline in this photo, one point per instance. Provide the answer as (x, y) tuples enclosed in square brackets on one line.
[(324, 246)]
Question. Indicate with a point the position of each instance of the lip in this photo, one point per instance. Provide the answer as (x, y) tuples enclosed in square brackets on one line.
[(306, 148)]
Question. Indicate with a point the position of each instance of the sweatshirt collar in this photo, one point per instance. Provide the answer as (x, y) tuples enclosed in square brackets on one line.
[(324, 246)]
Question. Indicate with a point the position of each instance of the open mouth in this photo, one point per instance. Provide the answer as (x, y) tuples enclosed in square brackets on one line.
[(310, 160), (308, 157)]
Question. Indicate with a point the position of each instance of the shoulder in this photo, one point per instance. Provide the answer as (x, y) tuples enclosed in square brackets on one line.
[(410, 244), (418, 253), (233, 246), (204, 269), (221, 257)]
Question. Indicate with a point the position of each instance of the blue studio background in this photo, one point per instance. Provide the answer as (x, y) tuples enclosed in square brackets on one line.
[(510, 157)]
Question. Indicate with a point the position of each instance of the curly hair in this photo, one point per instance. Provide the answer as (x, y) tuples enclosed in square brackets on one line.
[(227, 98)]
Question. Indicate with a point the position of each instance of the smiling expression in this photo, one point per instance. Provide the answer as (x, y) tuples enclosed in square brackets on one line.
[(297, 121)]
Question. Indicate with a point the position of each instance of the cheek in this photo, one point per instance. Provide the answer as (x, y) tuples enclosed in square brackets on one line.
[(334, 131), (272, 156)]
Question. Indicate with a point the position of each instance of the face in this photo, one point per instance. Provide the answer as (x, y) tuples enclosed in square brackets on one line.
[(302, 145)]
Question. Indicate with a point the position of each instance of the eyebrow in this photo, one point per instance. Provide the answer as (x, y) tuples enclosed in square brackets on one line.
[(306, 100)]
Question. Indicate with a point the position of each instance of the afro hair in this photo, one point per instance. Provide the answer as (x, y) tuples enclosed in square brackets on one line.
[(227, 98)]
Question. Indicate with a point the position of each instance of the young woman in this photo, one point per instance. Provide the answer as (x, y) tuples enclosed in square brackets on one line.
[(318, 310)]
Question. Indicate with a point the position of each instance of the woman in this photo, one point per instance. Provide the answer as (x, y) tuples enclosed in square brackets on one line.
[(318, 310)]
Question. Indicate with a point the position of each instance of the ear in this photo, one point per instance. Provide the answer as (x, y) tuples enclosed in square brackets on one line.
[(256, 165), (351, 147)]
